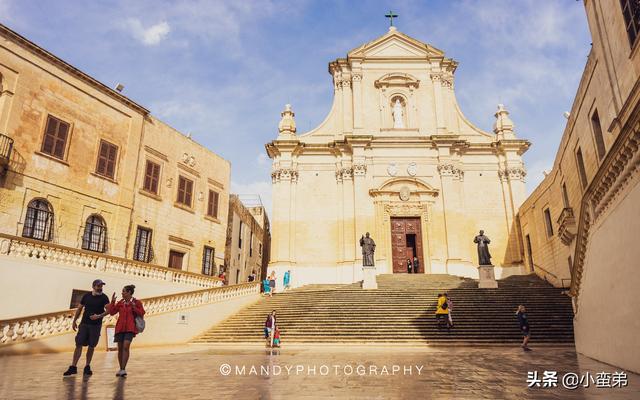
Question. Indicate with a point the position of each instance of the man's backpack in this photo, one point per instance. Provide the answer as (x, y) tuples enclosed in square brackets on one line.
[(444, 305)]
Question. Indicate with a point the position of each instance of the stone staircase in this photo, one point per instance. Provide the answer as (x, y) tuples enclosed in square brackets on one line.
[(402, 310)]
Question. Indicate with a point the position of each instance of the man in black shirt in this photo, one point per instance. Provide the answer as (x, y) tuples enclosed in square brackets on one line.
[(523, 321), (89, 331)]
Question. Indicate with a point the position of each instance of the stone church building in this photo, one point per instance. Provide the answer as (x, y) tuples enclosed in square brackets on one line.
[(397, 158)]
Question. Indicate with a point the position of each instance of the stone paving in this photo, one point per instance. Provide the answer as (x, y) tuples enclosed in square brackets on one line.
[(353, 372)]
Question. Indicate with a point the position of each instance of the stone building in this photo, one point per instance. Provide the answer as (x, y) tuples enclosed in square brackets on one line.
[(397, 158), (581, 223), (260, 215), (90, 169), (245, 245)]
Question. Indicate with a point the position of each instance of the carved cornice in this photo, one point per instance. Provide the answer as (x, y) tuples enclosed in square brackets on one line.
[(512, 174), (359, 169), (451, 170), (344, 173), (284, 174), (407, 209)]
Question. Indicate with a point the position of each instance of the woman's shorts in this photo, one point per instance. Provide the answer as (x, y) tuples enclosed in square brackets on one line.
[(122, 336)]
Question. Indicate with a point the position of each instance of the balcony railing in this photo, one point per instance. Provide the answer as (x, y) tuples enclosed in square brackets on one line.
[(37, 251), (6, 146), (35, 327), (567, 226)]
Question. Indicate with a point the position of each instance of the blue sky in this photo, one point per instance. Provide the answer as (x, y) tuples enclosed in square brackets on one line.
[(223, 70)]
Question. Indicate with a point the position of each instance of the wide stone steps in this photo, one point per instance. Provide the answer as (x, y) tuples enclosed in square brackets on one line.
[(402, 311)]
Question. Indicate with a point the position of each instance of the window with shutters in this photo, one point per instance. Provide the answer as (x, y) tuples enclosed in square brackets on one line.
[(631, 14), (175, 259), (56, 135), (582, 172), (212, 206), (151, 177), (38, 222), (185, 191), (142, 250), (95, 234), (547, 222), (107, 156), (208, 257), (597, 134)]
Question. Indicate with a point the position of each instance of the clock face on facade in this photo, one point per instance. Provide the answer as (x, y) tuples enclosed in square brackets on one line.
[(392, 169), (412, 169)]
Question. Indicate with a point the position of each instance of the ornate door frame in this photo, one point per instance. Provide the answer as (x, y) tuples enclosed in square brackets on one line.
[(404, 197)]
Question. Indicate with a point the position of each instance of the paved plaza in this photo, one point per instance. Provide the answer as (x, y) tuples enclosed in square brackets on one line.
[(354, 372)]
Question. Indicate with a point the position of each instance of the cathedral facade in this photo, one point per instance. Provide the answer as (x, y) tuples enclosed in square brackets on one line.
[(396, 158)]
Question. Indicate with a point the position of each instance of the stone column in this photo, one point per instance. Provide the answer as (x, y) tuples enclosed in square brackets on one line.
[(349, 235), (347, 106), (438, 100), (450, 177), (356, 79)]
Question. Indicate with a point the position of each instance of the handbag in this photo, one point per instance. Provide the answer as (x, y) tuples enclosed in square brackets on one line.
[(140, 323)]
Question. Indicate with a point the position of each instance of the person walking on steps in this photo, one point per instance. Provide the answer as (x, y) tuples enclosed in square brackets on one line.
[(450, 308), (269, 326), (442, 311), (523, 321), (127, 327), (90, 325)]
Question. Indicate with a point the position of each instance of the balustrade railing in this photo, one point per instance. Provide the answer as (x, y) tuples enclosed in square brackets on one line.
[(34, 250), (35, 327)]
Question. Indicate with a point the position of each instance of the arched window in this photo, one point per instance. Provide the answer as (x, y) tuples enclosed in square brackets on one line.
[(95, 234), (39, 220)]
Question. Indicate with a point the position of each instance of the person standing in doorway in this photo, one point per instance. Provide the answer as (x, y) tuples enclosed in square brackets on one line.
[(126, 329), (416, 265), (93, 304), (523, 321), (409, 266)]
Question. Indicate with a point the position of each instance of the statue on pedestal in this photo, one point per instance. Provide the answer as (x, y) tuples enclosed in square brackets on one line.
[(484, 258), (368, 248), (398, 115)]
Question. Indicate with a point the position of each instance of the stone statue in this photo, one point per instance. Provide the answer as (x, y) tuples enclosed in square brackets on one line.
[(398, 114), (368, 248), (484, 258)]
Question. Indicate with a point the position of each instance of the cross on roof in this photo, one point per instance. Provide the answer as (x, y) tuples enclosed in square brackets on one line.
[(391, 16)]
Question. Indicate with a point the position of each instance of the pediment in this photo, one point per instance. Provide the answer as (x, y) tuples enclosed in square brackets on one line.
[(396, 185), (395, 45)]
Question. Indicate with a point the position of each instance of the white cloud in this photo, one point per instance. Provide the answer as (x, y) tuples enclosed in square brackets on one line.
[(151, 35), (263, 159)]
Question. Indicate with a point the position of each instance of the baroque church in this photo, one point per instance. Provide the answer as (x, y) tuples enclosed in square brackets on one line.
[(395, 157)]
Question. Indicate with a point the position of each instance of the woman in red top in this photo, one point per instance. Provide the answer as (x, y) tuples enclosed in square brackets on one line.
[(127, 309)]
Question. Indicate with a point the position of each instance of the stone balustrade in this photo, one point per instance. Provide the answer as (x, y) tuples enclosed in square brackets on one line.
[(34, 251), (35, 327)]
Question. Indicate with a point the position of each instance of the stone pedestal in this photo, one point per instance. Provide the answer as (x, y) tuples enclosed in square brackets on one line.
[(487, 277), (369, 275)]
